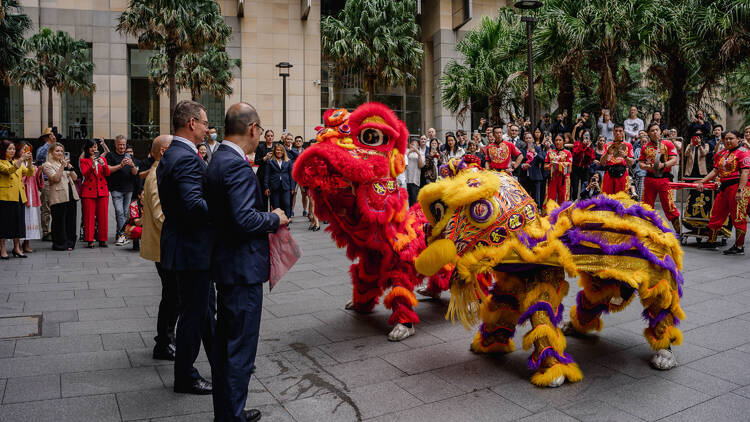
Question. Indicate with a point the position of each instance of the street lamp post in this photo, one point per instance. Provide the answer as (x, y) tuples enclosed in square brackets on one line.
[(530, 20), (284, 73)]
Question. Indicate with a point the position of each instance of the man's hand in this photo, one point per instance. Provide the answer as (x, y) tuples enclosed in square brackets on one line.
[(283, 219), (268, 192), (699, 186)]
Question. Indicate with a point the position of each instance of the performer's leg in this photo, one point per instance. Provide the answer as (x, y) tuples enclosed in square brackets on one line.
[(619, 184), (666, 197), (739, 215), (649, 191), (719, 212), (366, 290), (661, 303), (402, 301), (596, 297), (499, 315), (608, 186), (542, 305)]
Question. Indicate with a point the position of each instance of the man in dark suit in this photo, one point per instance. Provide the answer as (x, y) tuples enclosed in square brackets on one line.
[(187, 241), (240, 263), (263, 154)]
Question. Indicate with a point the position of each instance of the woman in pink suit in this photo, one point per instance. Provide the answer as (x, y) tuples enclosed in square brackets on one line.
[(94, 194)]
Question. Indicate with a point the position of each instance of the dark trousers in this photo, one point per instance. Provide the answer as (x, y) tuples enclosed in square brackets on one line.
[(167, 318), (195, 324), (282, 198), (577, 176), (534, 188), (262, 182), (63, 225), (413, 190), (235, 346)]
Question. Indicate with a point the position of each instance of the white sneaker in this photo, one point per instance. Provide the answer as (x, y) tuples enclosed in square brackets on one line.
[(120, 240), (126, 241)]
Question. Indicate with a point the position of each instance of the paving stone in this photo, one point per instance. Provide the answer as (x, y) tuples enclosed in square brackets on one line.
[(730, 365), (58, 345), (26, 389), (109, 381), (122, 341), (60, 316), (363, 372), (55, 364), (728, 407), (40, 296), (482, 405), (553, 415), (432, 357), (104, 326), (87, 294), (166, 371), (147, 404), (347, 351), (6, 348), (84, 409), (596, 411), (723, 335), (73, 304), (134, 291), (51, 287), (271, 343), (428, 387), (112, 314), (142, 300), (697, 380), (655, 398)]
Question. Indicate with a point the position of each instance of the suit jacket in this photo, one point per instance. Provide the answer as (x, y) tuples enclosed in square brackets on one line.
[(241, 255), (186, 236), (690, 156), (94, 178), (60, 185), (261, 152), (277, 176), (153, 218), (209, 153), (11, 182)]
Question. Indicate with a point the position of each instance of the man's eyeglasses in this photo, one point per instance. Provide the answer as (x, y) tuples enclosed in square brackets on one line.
[(258, 126), (205, 122)]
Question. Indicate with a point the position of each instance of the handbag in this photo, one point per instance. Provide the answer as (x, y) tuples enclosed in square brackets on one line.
[(617, 170), (284, 253)]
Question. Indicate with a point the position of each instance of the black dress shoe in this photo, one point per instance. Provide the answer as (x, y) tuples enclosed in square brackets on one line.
[(164, 352), (18, 255), (199, 387), (252, 415)]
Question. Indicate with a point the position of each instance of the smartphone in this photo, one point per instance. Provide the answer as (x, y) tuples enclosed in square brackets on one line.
[(66, 154), (27, 148), (97, 154)]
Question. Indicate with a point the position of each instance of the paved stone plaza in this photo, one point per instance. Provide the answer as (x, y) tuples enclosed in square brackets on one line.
[(318, 362)]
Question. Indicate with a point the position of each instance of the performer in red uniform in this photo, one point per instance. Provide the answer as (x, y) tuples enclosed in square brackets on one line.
[(617, 158), (657, 158), (559, 162), (502, 155), (731, 165)]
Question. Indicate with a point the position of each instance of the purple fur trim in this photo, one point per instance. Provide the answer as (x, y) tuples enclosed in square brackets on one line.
[(548, 353), (652, 322), (576, 237), (604, 203), (556, 212), (485, 334), (543, 307), (597, 310)]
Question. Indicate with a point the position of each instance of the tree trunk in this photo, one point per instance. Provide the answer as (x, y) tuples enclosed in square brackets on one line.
[(370, 88), (677, 102), (566, 97), (49, 106), (171, 70), (606, 92)]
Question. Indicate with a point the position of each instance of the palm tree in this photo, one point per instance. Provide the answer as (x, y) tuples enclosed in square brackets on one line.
[(490, 68), (208, 71), (380, 38), (57, 62), (13, 24), (175, 27)]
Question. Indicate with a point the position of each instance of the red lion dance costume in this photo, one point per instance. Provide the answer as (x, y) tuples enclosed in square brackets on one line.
[(351, 175)]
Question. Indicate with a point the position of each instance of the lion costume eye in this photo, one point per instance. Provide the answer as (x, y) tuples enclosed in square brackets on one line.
[(437, 209), (373, 137), (481, 211)]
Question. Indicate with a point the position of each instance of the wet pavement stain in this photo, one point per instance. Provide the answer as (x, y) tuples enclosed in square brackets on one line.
[(319, 384)]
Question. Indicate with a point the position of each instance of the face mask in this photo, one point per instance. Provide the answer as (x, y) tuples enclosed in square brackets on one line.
[(212, 136)]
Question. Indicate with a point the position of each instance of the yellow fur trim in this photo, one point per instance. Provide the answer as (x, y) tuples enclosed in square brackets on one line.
[(539, 291), (595, 324), (544, 377), (439, 254), (659, 295), (501, 314), (672, 337), (478, 347), (397, 292), (552, 334), (464, 304)]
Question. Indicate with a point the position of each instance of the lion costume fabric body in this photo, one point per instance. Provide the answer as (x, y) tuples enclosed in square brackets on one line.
[(484, 222), (350, 173)]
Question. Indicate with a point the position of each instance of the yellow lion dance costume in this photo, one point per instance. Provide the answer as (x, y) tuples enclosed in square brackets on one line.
[(484, 222)]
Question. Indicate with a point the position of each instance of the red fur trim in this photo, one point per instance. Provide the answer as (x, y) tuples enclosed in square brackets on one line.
[(403, 314), (399, 292)]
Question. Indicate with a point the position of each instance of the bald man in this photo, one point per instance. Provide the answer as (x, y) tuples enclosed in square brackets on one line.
[(152, 219), (240, 263)]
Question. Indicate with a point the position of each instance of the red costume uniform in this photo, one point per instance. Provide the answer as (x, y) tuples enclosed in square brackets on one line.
[(729, 164), (499, 156), (94, 199), (614, 182), (558, 187), (654, 184)]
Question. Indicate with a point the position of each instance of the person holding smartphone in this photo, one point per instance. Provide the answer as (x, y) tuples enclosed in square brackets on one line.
[(33, 198), (122, 178), (63, 196), (94, 193)]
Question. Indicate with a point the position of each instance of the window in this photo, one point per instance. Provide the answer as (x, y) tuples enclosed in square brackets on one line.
[(78, 112), (144, 97), (215, 112), (11, 112)]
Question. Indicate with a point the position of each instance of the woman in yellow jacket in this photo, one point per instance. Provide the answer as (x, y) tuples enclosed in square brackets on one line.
[(13, 197)]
